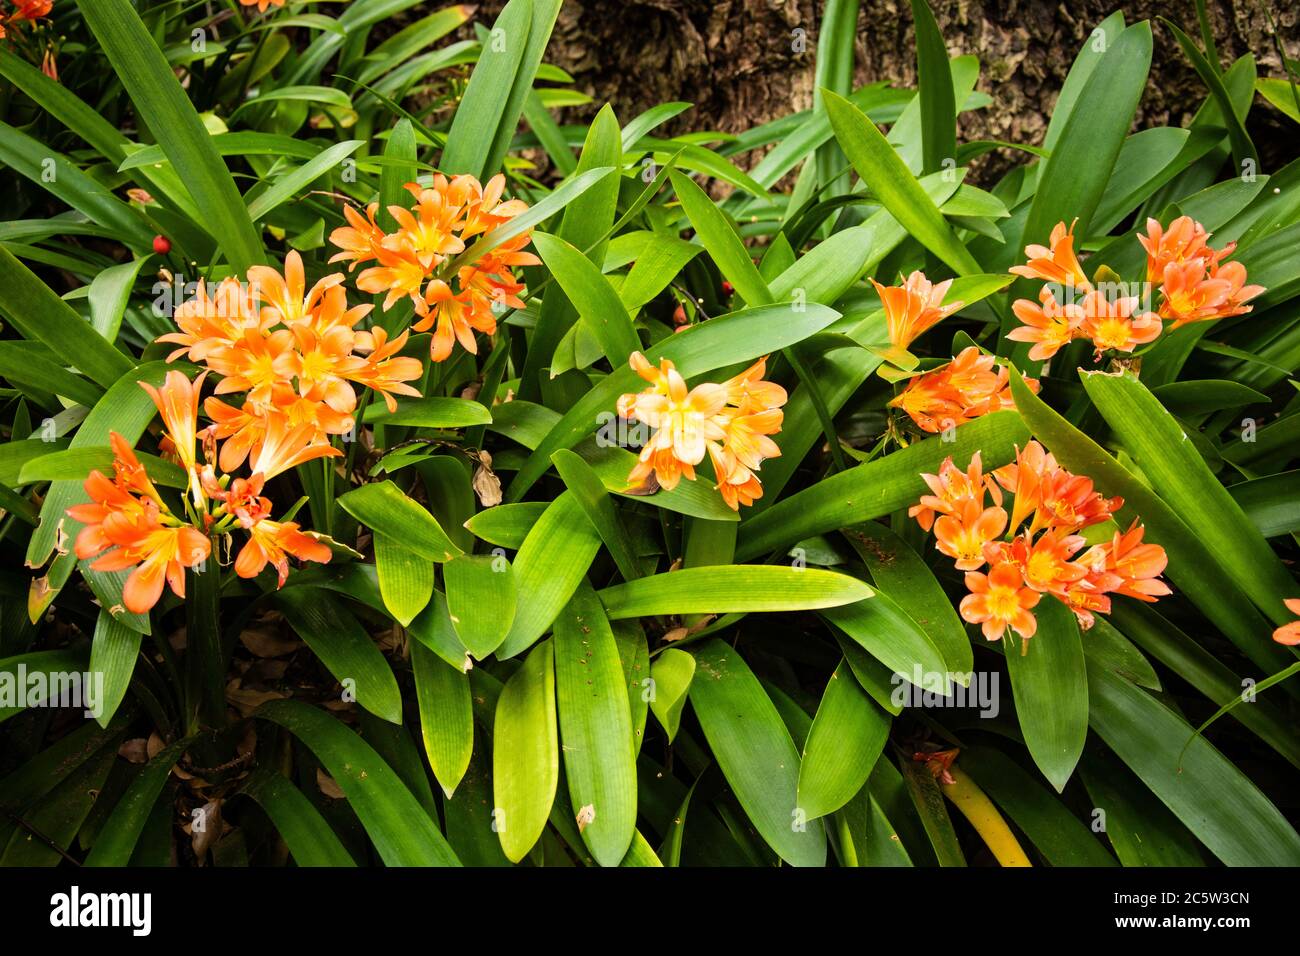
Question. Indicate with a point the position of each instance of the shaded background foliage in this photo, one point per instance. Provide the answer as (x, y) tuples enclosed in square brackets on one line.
[(733, 59)]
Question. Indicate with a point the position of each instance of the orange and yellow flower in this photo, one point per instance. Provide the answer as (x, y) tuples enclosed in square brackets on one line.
[(1048, 324), (730, 421), (956, 393), (999, 600), (1041, 559), (421, 258), (914, 307), (1055, 262), (1289, 633)]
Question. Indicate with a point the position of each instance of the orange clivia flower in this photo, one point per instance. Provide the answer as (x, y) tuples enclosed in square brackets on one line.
[(914, 307), (421, 258), (270, 542), (1049, 324), (953, 394), (127, 521), (1056, 262), (731, 421), (1137, 566), (1289, 633), (31, 9), (178, 404), (962, 534), (261, 4), (950, 489), (999, 600), (209, 324), (1184, 241), (283, 447), (1111, 324), (360, 240)]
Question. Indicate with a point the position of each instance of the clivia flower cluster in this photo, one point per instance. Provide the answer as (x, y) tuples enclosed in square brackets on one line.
[(962, 390), (295, 355), (1039, 558), (1196, 284), (730, 420), (417, 259)]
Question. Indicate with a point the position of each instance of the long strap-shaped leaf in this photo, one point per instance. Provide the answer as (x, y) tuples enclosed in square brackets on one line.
[(403, 833), (163, 105), (41, 316)]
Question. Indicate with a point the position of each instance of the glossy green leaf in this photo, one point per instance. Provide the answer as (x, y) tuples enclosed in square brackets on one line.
[(755, 751), (481, 598), (1050, 687), (403, 833), (672, 672), (405, 578), (731, 588), (383, 507), (595, 727), (446, 717), (345, 649), (843, 745), (525, 753)]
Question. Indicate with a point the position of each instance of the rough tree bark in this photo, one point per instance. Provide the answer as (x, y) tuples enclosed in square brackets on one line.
[(735, 59)]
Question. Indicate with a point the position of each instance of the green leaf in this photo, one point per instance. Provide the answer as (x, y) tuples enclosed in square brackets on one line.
[(74, 464), (1214, 799), (113, 652), (1049, 824), (481, 599), (405, 578), (56, 173), (164, 106), (889, 179), (552, 560), (300, 177), (595, 727), (1096, 127), (1242, 148), (507, 525), (22, 368), (1141, 829), (755, 752), (720, 239), (345, 649), (1050, 686), (877, 487), (1181, 478), (592, 295), (590, 493), (731, 588), (889, 635), (901, 574), (446, 716), (383, 507), (525, 753), (309, 838), (403, 833), (843, 745), (432, 412), (41, 316), (118, 838), (483, 106), (672, 673), (937, 99), (434, 629)]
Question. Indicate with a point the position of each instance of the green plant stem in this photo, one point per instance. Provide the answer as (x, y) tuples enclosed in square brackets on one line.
[(205, 662)]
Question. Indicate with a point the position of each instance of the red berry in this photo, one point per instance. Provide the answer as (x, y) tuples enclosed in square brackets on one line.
[(679, 315), (162, 245), (727, 287)]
